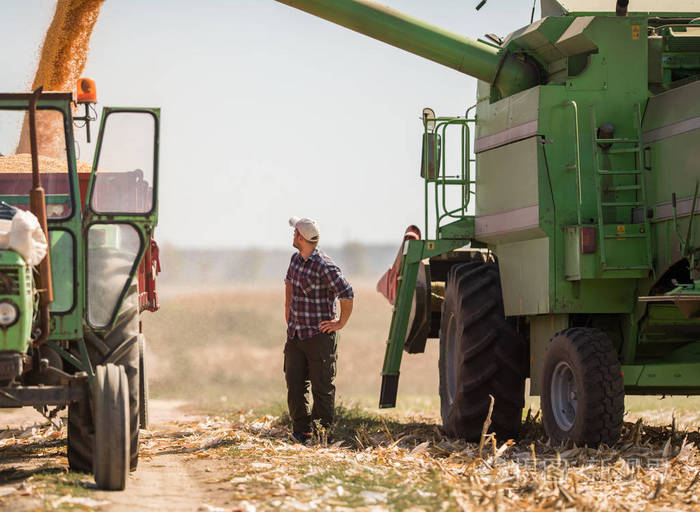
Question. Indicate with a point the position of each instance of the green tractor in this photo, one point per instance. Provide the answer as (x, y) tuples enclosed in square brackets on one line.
[(70, 323), (579, 266)]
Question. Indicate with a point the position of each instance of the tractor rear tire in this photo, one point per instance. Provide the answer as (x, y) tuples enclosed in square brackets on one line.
[(143, 384), (112, 437), (122, 347), (481, 354), (81, 436), (119, 346), (583, 394)]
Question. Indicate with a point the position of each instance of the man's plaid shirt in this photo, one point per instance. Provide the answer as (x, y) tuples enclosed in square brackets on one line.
[(316, 282)]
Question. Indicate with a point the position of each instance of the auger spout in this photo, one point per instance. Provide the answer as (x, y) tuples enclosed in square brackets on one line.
[(508, 73)]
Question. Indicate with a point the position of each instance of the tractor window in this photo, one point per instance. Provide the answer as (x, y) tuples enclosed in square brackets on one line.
[(16, 161), (123, 182), (112, 250), (62, 270)]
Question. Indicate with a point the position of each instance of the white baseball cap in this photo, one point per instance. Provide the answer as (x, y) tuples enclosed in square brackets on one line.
[(307, 227)]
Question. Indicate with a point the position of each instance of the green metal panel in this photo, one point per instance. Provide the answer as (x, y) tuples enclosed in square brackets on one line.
[(578, 265), (525, 276), (574, 40), (672, 134), (462, 229), (498, 169), (651, 7), (69, 325), (542, 329), (510, 112), (18, 289), (64, 326), (539, 38), (675, 378), (144, 223), (665, 323), (62, 270)]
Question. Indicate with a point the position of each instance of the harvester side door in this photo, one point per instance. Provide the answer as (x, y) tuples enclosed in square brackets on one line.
[(121, 209)]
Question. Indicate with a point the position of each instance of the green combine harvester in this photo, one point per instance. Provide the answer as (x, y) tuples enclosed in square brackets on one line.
[(579, 267), (70, 324)]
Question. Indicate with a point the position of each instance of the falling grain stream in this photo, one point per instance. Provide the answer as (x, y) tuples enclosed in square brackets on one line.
[(61, 62)]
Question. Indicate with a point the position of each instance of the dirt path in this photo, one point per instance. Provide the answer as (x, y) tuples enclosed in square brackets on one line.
[(166, 479), (166, 482)]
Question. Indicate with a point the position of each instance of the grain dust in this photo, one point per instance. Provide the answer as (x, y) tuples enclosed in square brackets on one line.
[(61, 62)]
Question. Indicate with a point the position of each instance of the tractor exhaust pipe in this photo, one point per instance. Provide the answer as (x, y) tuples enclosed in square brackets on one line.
[(621, 7), (37, 205)]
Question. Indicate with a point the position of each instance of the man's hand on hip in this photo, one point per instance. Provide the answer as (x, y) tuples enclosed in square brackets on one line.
[(330, 326), (336, 325)]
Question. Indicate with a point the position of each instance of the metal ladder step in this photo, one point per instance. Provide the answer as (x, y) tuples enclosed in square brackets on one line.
[(626, 146), (625, 203), (630, 172), (622, 188), (618, 140), (634, 149), (623, 237)]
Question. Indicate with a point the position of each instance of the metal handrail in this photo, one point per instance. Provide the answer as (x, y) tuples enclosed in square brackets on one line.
[(578, 159), (441, 180)]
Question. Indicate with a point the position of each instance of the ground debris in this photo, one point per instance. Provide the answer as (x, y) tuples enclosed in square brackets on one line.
[(373, 463), (377, 462), (79, 500)]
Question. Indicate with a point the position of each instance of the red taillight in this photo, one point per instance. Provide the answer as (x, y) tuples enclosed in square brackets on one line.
[(587, 240)]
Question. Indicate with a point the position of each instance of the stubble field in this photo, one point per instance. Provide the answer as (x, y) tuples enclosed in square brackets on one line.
[(222, 439)]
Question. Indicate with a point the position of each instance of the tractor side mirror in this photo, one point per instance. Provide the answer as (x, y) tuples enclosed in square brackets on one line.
[(430, 156)]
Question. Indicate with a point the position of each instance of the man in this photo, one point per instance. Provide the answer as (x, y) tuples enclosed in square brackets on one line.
[(312, 285)]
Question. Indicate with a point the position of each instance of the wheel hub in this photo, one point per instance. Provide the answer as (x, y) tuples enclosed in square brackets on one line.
[(564, 399)]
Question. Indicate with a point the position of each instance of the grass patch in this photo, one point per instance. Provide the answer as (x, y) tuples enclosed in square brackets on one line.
[(355, 486), (64, 482)]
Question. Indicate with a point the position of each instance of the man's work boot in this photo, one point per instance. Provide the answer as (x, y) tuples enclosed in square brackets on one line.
[(302, 437)]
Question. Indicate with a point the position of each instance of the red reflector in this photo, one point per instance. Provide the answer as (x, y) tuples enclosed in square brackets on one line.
[(587, 240)]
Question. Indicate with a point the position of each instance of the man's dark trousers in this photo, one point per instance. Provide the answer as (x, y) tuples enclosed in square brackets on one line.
[(311, 361)]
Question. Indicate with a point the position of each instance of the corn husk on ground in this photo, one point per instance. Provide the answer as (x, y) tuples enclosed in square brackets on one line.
[(375, 462)]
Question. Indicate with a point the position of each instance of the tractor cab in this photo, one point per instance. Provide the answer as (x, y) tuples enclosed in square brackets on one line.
[(70, 316)]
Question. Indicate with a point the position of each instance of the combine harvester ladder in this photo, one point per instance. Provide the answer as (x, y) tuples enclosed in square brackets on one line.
[(617, 233)]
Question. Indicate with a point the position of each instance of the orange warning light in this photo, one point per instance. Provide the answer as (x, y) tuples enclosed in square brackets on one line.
[(87, 92)]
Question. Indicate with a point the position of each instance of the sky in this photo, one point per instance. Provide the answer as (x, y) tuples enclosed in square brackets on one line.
[(269, 112)]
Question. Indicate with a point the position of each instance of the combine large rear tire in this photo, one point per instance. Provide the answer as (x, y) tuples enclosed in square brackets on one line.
[(481, 354), (583, 394)]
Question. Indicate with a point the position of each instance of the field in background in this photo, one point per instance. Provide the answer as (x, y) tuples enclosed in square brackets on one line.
[(221, 349), (224, 348)]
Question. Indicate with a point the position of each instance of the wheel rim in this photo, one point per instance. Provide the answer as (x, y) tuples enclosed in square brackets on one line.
[(564, 395), (451, 371)]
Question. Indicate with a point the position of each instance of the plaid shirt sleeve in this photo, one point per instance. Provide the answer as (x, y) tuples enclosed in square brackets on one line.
[(337, 282), (288, 277)]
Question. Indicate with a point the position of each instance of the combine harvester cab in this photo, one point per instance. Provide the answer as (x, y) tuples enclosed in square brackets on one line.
[(579, 266), (71, 322)]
